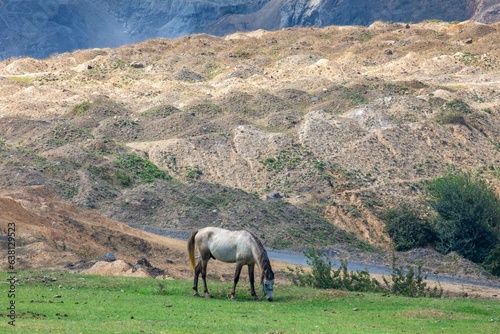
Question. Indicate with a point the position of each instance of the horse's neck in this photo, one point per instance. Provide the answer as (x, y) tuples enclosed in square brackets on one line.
[(264, 263), (261, 256)]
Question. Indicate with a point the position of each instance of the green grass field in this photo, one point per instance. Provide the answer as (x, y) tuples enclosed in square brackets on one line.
[(76, 303)]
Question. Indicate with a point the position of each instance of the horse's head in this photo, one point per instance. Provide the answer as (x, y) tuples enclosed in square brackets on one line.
[(268, 283), (267, 288)]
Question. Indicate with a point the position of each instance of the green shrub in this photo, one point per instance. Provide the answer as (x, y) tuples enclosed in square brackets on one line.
[(492, 262), (323, 276), (406, 229), (468, 216), (450, 117), (458, 106), (285, 160), (139, 168), (410, 283), (81, 108), (241, 54), (122, 178), (63, 134), (454, 112), (404, 282), (354, 95), (161, 111), (194, 173)]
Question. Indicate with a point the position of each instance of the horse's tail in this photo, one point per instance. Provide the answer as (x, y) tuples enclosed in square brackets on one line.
[(190, 246)]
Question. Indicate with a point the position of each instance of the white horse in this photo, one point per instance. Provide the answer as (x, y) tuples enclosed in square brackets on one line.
[(240, 247)]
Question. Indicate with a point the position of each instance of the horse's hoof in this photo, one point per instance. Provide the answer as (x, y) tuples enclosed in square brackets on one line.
[(207, 296), (257, 299), (196, 294), (233, 298)]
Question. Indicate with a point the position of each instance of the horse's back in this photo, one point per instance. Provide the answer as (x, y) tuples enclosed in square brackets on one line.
[(225, 245)]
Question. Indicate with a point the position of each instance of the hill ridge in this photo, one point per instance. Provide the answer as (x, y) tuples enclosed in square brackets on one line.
[(42, 28)]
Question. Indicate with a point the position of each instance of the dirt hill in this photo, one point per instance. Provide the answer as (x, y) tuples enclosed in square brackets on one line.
[(295, 134), (52, 234)]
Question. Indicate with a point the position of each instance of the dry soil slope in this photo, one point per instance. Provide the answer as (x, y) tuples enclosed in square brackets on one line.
[(51, 233)]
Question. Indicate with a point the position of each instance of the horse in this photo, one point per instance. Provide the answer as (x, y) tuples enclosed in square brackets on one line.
[(240, 247)]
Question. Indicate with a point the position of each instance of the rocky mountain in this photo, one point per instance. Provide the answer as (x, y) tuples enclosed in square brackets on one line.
[(39, 28)]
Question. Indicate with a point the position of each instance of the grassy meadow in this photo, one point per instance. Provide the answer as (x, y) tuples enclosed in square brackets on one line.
[(62, 302)]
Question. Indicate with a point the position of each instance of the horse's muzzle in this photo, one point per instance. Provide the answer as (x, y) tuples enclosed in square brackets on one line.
[(267, 288)]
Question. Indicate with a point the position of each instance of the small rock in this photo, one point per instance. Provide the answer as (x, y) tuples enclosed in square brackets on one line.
[(145, 264), (468, 41), (109, 257), (388, 52), (136, 64), (90, 204), (57, 296), (274, 195), (186, 75)]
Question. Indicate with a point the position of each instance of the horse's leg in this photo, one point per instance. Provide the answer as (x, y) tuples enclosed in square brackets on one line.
[(204, 263), (197, 271), (251, 276), (236, 279)]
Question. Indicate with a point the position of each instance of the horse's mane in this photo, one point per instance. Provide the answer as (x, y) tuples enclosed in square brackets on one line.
[(264, 262)]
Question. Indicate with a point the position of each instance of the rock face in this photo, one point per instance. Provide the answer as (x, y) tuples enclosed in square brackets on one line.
[(365, 12), (39, 28)]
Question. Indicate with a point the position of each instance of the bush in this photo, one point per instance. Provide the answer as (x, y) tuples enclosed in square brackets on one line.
[(454, 112), (406, 229), (458, 106), (468, 216), (81, 108), (144, 170), (194, 173), (492, 262), (122, 178), (410, 283), (450, 117), (322, 276)]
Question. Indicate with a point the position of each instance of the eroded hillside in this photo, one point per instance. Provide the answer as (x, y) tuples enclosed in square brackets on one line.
[(342, 122)]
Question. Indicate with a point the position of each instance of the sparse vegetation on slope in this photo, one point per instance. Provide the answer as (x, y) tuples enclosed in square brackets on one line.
[(336, 124)]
